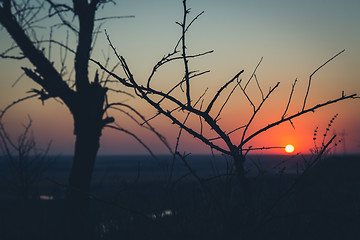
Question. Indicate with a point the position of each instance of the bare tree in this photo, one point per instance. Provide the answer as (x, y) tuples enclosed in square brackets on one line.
[(87, 99), (168, 103), (86, 102), (36, 28)]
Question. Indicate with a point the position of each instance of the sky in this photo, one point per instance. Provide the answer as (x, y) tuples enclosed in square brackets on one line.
[(293, 37)]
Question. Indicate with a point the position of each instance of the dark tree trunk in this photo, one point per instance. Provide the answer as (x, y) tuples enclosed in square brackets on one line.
[(79, 216), (86, 148), (239, 161), (86, 103), (248, 214), (247, 190), (87, 110)]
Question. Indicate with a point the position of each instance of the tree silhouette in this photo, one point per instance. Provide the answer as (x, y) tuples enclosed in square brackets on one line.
[(86, 101), (85, 98), (170, 104), (38, 28)]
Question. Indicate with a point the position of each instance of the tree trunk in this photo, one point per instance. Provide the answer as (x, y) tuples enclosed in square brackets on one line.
[(247, 191), (87, 111), (248, 215), (239, 161), (80, 221), (86, 148)]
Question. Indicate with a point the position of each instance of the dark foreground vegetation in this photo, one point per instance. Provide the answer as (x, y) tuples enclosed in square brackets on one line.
[(325, 204), (322, 204)]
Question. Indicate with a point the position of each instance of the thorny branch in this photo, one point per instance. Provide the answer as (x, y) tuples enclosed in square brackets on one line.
[(186, 64), (147, 92), (221, 89), (176, 150), (256, 110), (312, 109)]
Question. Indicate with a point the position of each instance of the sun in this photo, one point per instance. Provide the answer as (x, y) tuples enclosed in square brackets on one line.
[(289, 148)]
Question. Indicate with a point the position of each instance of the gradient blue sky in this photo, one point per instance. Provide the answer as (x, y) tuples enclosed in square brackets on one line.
[(294, 37)]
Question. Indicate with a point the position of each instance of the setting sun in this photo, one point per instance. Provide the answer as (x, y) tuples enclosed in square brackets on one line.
[(289, 148)]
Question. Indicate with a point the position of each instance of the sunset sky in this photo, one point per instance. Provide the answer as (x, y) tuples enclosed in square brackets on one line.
[(293, 37)]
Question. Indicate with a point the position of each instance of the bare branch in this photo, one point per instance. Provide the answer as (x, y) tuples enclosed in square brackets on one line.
[(226, 101), (146, 123), (256, 111), (180, 83), (232, 131), (168, 59), (261, 148), (113, 17), (134, 136), (18, 79), (311, 75), (252, 75), (59, 9), (312, 109), (86, 16), (7, 51), (12, 57), (257, 83), (291, 93), (221, 89), (176, 152), (2, 112), (50, 41), (54, 83), (186, 64), (247, 96), (56, 9)]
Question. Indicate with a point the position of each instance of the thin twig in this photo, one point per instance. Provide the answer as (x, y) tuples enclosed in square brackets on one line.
[(134, 136), (221, 89), (257, 83), (247, 83), (2, 112), (225, 102), (256, 111), (308, 87), (247, 96), (312, 109), (146, 123), (288, 103), (186, 61)]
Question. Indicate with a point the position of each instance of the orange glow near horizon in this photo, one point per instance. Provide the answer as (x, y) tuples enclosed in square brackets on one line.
[(278, 41), (289, 148)]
